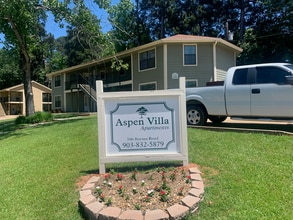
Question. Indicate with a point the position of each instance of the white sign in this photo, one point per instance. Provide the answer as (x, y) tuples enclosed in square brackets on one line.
[(141, 126)]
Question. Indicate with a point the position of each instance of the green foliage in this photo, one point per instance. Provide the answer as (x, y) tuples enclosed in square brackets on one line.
[(42, 165), (10, 74), (36, 118), (128, 30)]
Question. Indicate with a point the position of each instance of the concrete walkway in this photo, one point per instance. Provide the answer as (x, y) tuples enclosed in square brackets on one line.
[(6, 117)]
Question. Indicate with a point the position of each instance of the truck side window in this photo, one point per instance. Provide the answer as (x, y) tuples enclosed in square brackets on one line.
[(271, 75), (240, 77)]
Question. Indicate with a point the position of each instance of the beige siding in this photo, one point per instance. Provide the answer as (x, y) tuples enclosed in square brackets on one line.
[(38, 99), (225, 60), (203, 71), (152, 75)]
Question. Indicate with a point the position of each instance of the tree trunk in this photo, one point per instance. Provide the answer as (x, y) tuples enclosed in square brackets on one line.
[(241, 33), (27, 74), (28, 90)]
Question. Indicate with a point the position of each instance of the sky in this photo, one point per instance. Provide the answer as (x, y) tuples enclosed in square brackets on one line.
[(54, 28)]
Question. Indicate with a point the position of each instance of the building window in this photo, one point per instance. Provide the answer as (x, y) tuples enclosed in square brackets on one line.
[(191, 83), (57, 101), (147, 59), (47, 97), (190, 55), (57, 81), (148, 86)]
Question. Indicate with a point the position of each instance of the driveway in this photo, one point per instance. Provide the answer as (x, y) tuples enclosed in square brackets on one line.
[(254, 125)]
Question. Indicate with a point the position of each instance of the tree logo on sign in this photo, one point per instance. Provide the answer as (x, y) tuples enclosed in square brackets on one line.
[(142, 111)]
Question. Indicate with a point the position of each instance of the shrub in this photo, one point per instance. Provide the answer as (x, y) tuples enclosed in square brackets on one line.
[(20, 120), (36, 118)]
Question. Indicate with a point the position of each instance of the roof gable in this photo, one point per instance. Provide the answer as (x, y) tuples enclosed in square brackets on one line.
[(34, 84)]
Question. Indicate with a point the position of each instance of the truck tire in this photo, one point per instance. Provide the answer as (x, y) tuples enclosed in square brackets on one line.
[(217, 119), (196, 115)]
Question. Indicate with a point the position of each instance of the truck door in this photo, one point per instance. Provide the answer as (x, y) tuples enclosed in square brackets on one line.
[(270, 95), (238, 94)]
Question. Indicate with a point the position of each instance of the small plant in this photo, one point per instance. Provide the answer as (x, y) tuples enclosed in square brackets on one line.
[(165, 186), (134, 190), (151, 193), (107, 176), (98, 190), (137, 206), (188, 179), (133, 175), (102, 197), (109, 201), (163, 196), (142, 183), (112, 171), (147, 198), (183, 173), (119, 177), (173, 176), (120, 190), (163, 175), (156, 188), (180, 192)]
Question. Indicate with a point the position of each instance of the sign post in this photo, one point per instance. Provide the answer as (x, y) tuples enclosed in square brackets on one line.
[(142, 126)]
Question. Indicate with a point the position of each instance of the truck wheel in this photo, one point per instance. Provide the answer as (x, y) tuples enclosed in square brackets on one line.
[(196, 115), (217, 119)]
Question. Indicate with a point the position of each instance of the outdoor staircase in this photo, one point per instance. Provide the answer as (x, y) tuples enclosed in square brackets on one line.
[(89, 90), (87, 85), (2, 111)]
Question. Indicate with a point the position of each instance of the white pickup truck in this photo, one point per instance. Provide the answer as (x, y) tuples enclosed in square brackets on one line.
[(260, 91)]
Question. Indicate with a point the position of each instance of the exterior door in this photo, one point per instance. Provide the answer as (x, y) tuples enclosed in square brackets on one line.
[(270, 96), (238, 94)]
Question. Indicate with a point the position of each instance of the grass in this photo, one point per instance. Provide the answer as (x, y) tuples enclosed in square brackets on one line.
[(247, 175), (39, 167)]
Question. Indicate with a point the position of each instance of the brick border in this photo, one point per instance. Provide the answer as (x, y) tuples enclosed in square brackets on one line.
[(95, 210)]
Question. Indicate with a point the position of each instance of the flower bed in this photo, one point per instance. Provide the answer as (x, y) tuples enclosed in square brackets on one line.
[(143, 191)]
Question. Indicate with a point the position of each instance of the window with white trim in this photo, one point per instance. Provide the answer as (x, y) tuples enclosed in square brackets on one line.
[(191, 83), (148, 86), (57, 101), (189, 55), (57, 81), (147, 59)]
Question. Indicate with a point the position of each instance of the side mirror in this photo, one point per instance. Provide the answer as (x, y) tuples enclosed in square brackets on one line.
[(289, 79)]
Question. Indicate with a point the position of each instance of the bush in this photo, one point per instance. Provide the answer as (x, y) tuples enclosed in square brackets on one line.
[(20, 120), (36, 118)]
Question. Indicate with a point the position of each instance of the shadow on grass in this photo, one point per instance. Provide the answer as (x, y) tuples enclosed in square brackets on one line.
[(131, 166), (8, 128), (255, 127)]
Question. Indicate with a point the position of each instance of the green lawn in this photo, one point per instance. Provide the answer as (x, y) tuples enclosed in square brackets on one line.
[(247, 176)]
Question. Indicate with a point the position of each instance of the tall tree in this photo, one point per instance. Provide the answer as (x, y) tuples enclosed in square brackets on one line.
[(20, 22), (269, 37), (9, 69), (127, 29)]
